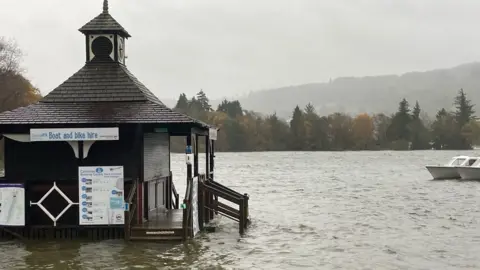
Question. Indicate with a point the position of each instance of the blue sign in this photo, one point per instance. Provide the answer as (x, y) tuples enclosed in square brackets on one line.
[(127, 207), (116, 203)]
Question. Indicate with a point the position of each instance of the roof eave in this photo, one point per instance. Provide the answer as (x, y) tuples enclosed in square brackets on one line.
[(87, 31)]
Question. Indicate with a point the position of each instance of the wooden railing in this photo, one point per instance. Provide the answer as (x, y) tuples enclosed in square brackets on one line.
[(132, 205), (211, 191), (173, 198), (187, 210)]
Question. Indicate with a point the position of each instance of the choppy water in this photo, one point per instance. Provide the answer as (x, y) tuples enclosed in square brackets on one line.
[(348, 210)]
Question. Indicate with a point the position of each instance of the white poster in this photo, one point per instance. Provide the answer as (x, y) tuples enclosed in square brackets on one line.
[(196, 227), (12, 205), (101, 195)]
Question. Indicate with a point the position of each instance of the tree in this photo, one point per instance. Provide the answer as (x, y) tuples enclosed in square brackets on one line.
[(182, 103), (398, 132), (419, 134), (464, 109), (341, 135), (16, 90), (297, 130), (231, 108), (278, 133), (203, 101), (381, 124), (416, 111), (363, 129), (10, 57), (443, 130)]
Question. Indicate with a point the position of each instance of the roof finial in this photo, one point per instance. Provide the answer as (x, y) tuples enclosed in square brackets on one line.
[(105, 6)]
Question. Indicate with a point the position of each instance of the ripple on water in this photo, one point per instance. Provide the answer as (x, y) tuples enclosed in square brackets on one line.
[(351, 210)]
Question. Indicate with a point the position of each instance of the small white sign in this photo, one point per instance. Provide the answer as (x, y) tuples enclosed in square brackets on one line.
[(101, 195), (12, 205), (73, 134), (212, 133)]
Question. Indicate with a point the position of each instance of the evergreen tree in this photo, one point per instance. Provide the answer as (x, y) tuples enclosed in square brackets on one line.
[(420, 137), (398, 129), (463, 115), (297, 129), (416, 111), (204, 101), (231, 108), (182, 103)]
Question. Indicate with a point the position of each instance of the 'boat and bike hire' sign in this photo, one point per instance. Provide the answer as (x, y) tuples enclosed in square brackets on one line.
[(74, 134)]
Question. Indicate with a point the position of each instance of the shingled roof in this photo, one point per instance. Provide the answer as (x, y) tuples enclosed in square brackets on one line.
[(104, 22), (99, 82), (100, 92)]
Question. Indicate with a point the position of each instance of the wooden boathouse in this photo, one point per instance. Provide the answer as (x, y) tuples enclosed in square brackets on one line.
[(92, 158)]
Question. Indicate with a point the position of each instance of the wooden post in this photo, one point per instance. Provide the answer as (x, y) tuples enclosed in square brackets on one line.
[(195, 157), (246, 198), (212, 166), (241, 223), (201, 203), (206, 194), (189, 166)]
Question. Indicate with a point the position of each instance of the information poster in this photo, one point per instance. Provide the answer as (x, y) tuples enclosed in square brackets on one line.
[(12, 205), (196, 227), (101, 195)]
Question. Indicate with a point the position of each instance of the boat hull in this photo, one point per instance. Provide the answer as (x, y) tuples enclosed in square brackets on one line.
[(443, 172), (469, 173)]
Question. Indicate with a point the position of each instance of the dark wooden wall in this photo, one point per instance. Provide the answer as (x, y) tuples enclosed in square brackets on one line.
[(39, 164)]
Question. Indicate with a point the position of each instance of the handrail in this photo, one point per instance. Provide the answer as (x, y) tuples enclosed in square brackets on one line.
[(176, 197), (222, 187), (133, 208), (210, 188)]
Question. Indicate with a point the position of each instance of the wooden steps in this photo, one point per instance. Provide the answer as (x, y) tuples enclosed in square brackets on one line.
[(162, 226)]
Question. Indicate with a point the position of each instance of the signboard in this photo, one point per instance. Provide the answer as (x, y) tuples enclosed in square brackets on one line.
[(12, 205), (196, 227), (212, 134), (101, 195), (73, 134)]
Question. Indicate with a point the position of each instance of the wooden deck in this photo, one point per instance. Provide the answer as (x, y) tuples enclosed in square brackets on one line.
[(160, 226)]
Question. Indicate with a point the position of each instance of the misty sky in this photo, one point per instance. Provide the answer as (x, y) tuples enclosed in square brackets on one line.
[(230, 47)]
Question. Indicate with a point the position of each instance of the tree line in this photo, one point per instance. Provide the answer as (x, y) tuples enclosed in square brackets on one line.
[(243, 130), (407, 129)]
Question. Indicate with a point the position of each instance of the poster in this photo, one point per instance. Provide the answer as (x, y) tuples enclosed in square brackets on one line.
[(12, 205), (196, 227), (101, 195)]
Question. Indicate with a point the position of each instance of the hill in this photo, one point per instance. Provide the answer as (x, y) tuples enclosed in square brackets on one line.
[(433, 89)]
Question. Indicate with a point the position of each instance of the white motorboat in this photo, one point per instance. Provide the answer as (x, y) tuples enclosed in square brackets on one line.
[(471, 172), (450, 170)]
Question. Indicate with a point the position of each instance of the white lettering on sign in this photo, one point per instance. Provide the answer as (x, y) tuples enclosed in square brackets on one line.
[(73, 134)]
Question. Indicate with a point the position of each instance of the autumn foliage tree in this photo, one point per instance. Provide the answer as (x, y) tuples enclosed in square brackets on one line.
[(363, 129), (15, 90)]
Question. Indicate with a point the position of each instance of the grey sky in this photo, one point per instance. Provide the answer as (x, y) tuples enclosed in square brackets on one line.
[(229, 47)]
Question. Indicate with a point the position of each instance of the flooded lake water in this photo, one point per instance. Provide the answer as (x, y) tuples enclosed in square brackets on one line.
[(345, 210)]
